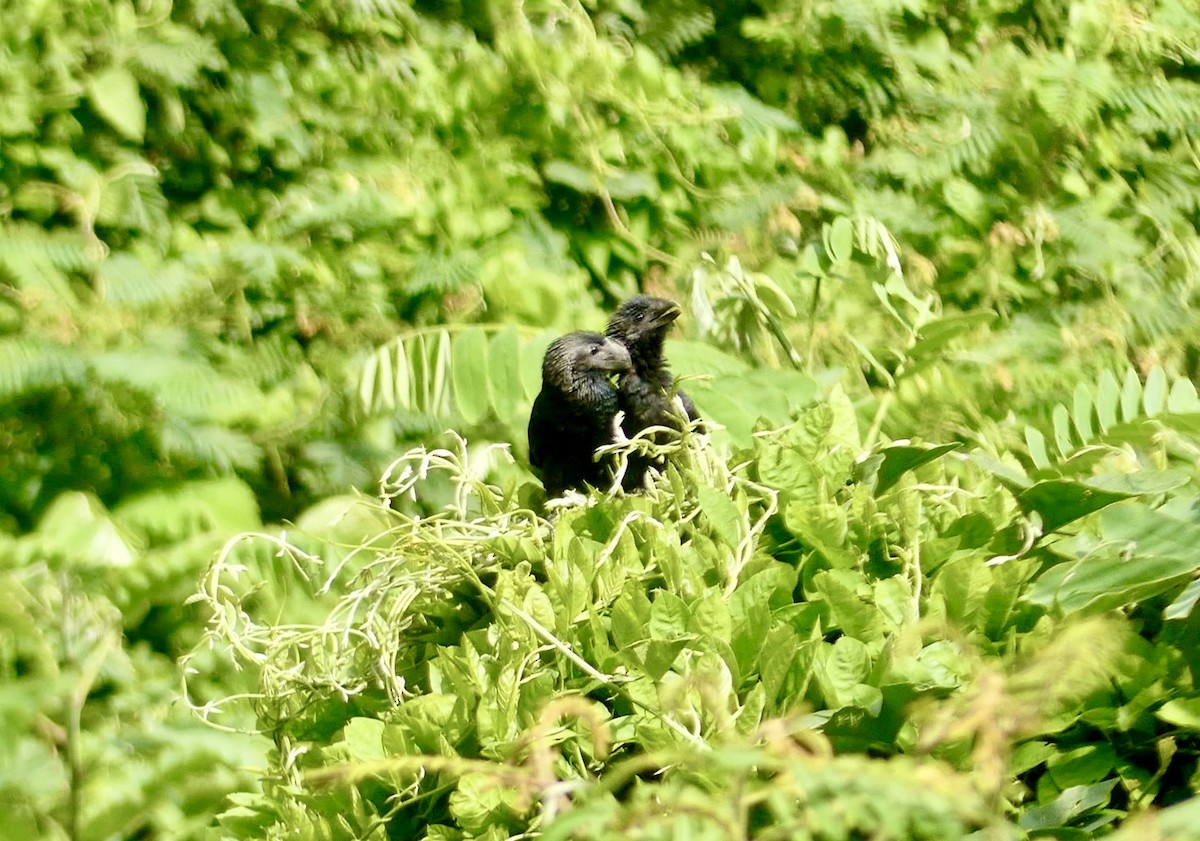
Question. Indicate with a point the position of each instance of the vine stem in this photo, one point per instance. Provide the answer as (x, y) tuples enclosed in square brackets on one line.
[(76, 700)]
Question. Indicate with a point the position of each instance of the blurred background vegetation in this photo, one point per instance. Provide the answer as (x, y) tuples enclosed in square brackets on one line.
[(249, 252)]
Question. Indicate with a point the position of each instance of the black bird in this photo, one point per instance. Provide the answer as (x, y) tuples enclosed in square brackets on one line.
[(574, 413), (647, 392)]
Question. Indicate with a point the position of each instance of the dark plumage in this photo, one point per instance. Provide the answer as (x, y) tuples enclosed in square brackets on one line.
[(574, 412), (647, 392)]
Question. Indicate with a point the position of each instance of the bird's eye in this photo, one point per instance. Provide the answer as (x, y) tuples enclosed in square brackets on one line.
[(595, 349), (641, 316)]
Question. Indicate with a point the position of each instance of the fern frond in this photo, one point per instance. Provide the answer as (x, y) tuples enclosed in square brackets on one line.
[(670, 27), (178, 57), (64, 250), (185, 388), (27, 365), (1072, 92), (464, 374), (125, 280), (1115, 413), (963, 137), (443, 272), (222, 449), (1159, 105)]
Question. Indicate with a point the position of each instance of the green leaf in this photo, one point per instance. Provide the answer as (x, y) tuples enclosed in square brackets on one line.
[(1062, 430), (364, 739), (1182, 607), (822, 526), (504, 380), (625, 186), (1082, 766), (1108, 395), (1067, 806), (469, 374), (1035, 441), (1098, 584), (115, 96), (1182, 712), (1131, 395), (849, 611), (898, 459), (1154, 399), (965, 199), (1082, 412), (669, 617), (1062, 501), (839, 240), (575, 177), (1182, 399), (846, 665), (722, 514)]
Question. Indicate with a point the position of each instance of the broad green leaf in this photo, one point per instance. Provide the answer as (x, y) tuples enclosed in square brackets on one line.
[(1097, 584), (1182, 399), (840, 240), (625, 186), (1069, 805), (1152, 532), (776, 653), (846, 665), (1062, 501), (848, 610), (772, 296), (822, 526), (1180, 822), (1154, 399), (1035, 441), (710, 617), (669, 617), (364, 739), (1108, 395), (1182, 607), (1131, 395), (504, 379), (935, 335), (575, 177), (531, 354), (1082, 766), (1062, 430), (964, 199), (115, 96), (898, 459), (1011, 476), (895, 603), (1082, 412), (1182, 712), (722, 514), (810, 262), (469, 374), (1141, 481), (478, 803)]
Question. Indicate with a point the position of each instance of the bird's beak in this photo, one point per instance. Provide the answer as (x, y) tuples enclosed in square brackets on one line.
[(668, 315), (614, 357)]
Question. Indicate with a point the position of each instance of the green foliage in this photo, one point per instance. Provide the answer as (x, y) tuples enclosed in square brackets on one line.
[(89, 633), (751, 630)]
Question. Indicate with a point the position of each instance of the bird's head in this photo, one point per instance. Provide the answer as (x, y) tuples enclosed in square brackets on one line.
[(642, 318), (582, 354)]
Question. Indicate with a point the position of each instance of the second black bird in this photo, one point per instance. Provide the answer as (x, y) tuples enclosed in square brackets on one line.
[(575, 411), (646, 393)]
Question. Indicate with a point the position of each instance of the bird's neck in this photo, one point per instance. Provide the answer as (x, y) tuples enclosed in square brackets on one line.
[(647, 358), (591, 387)]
